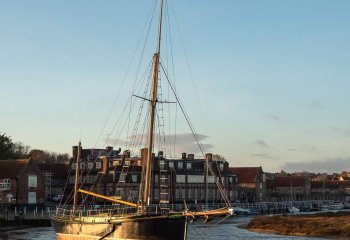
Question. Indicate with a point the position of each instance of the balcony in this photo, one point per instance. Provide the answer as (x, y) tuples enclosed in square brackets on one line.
[(5, 186)]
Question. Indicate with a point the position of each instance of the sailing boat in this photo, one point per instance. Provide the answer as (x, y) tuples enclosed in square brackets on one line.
[(132, 220)]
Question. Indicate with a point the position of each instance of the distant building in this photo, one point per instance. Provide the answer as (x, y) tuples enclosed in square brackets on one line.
[(55, 178), (289, 188), (119, 175), (330, 190), (251, 185), (21, 182)]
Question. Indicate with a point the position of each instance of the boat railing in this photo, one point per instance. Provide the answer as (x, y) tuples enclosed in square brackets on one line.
[(68, 213)]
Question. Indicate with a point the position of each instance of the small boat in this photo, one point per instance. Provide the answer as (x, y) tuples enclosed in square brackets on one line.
[(336, 206), (293, 209)]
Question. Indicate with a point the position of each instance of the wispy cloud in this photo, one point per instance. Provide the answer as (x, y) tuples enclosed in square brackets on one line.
[(329, 165), (291, 149), (341, 131), (262, 155), (261, 143), (273, 117), (315, 104)]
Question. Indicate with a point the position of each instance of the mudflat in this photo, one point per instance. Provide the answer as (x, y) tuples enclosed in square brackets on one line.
[(329, 224)]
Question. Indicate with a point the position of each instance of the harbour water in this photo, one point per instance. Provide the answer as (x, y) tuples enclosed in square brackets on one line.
[(225, 230)]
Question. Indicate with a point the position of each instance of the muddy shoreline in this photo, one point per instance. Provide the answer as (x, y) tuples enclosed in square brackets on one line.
[(332, 225)]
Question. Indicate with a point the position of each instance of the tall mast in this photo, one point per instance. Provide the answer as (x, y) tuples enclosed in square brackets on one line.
[(153, 102), (76, 177)]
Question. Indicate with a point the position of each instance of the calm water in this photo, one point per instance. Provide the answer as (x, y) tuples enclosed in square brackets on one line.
[(224, 231)]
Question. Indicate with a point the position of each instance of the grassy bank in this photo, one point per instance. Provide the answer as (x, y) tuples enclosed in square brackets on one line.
[(318, 225)]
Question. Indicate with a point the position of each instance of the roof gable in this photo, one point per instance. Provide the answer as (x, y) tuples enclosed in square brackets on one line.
[(246, 174), (12, 168)]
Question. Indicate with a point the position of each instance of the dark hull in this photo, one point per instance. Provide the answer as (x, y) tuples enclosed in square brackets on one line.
[(146, 227)]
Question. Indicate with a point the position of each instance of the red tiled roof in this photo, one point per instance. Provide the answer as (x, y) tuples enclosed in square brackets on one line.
[(246, 174), (11, 168), (59, 170), (330, 184), (288, 181)]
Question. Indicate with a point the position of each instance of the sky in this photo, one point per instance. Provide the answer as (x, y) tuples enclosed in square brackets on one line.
[(265, 83)]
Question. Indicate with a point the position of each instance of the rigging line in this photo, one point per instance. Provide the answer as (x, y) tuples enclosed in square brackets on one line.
[(144, 46), (129, 101), (196, 137), (65, 186), (124, 79), (184, 112), (173, 74), (189, 69)]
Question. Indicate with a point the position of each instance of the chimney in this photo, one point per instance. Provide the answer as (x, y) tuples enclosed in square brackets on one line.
[(105, 165), (109, 148), (183, 155), (74, 151), (190, 156), (209, 156), (144, 153), (127, 153)]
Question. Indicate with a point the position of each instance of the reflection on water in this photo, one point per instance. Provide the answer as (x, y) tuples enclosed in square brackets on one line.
[(226, 230)]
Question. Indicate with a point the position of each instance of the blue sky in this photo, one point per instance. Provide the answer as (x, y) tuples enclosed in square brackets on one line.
[(272, 77)]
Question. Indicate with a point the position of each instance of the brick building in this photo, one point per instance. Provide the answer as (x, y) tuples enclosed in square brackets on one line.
[(251, 185), (55, 178), (289, 188), (21, 182), (173, 180)]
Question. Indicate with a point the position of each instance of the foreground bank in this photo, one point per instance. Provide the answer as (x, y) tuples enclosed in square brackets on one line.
[(326, 224)]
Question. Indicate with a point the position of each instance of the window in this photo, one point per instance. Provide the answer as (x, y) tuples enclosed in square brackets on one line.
[(188, 165), (171, 164), (195, 178), (90, 165), (162, 165), (230, 179), (163, 178), (98, 165), (211, 179), (6, 180), (177, 193), (134, 178), (155, 178), (73, 165), (31, 197), (32, 181), (190, 193), (156, 193), (181, 178), (180, 165), (221, 167)]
